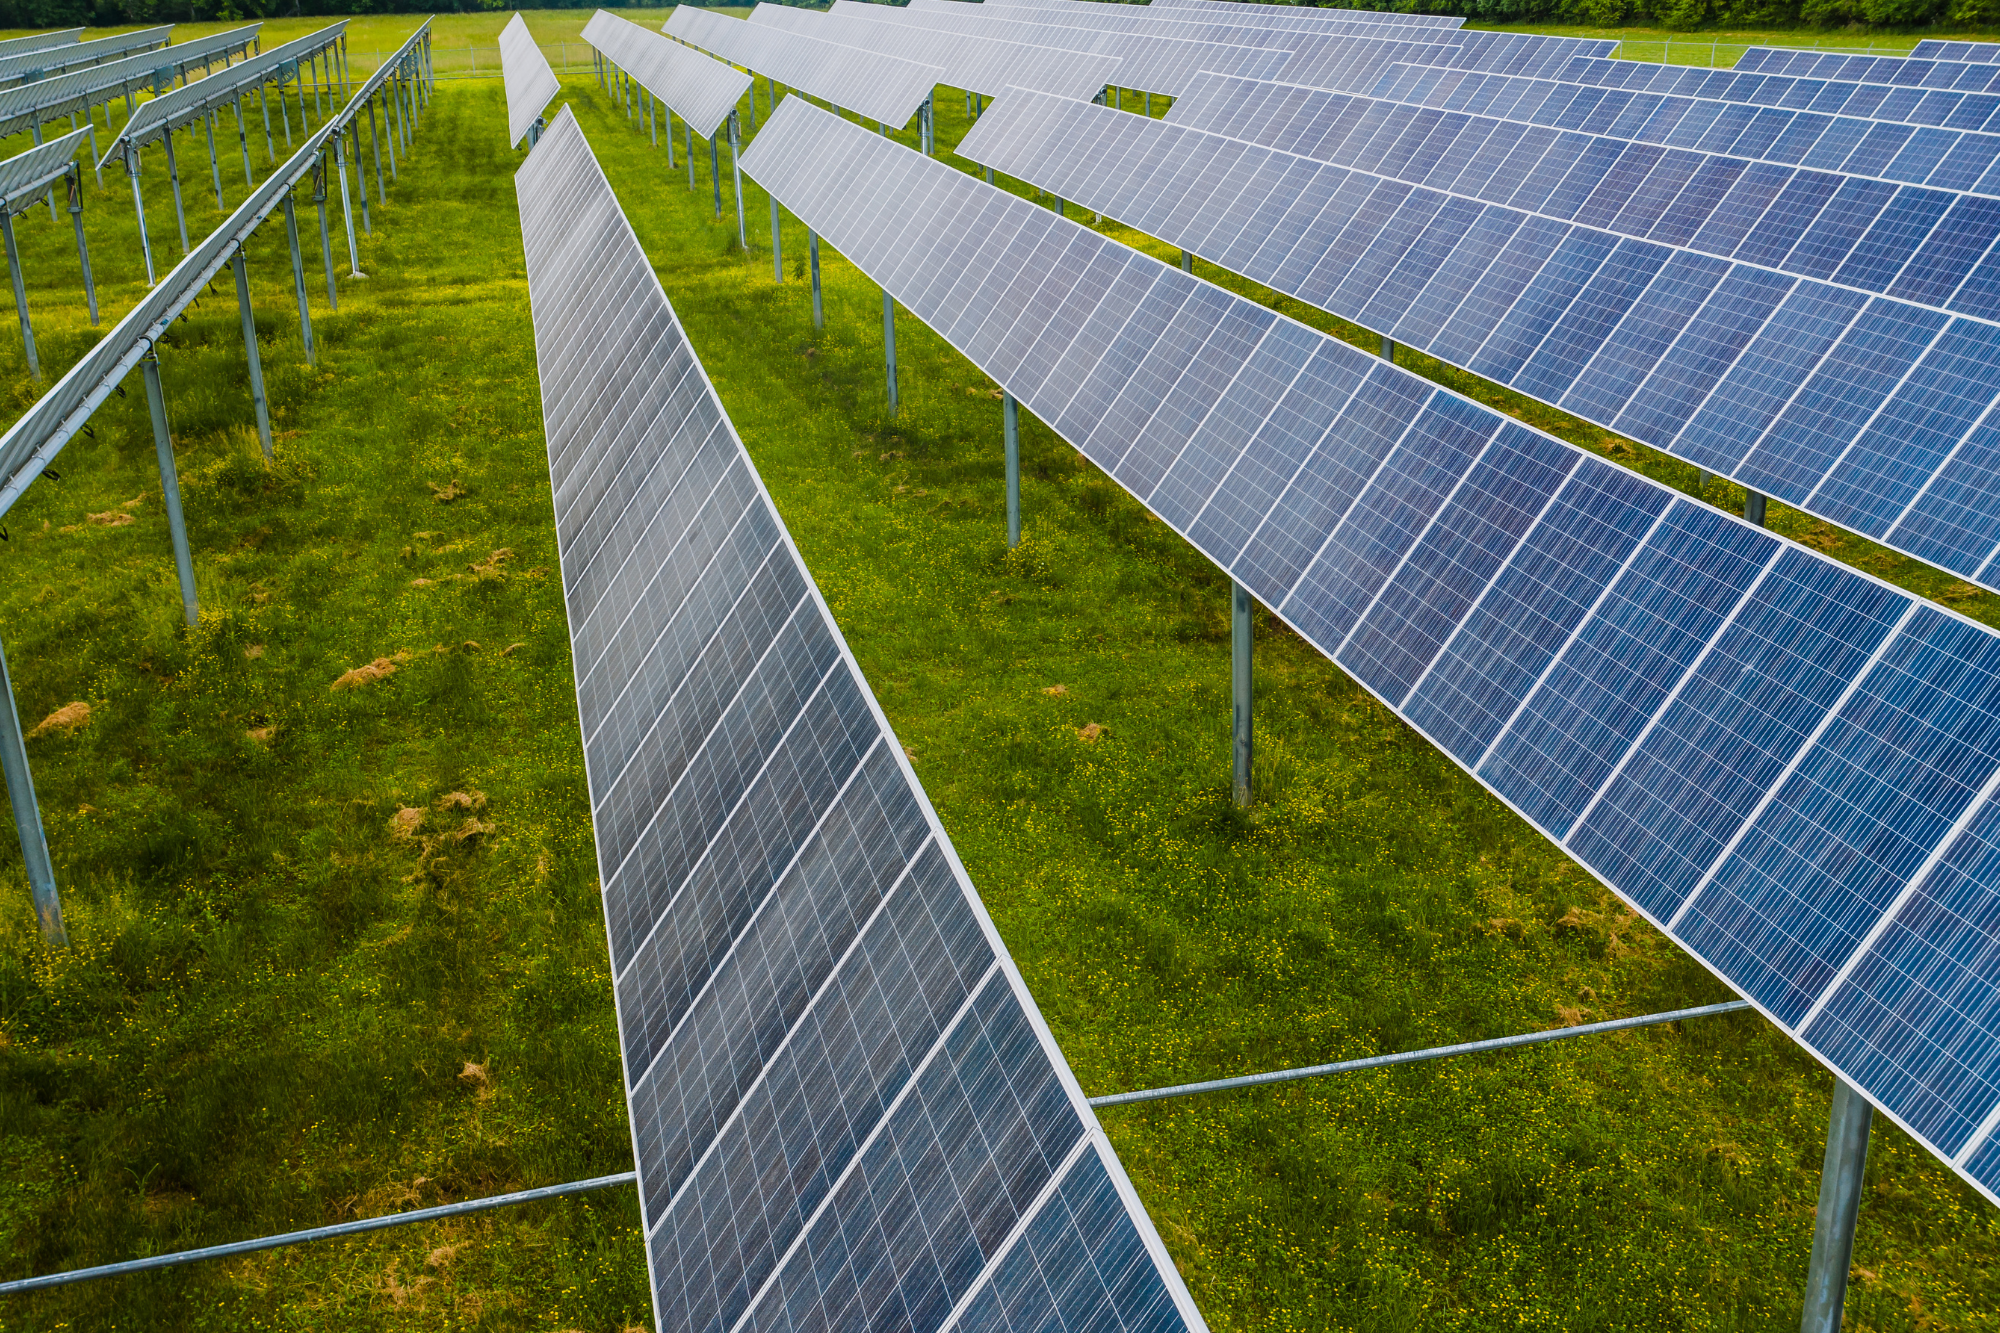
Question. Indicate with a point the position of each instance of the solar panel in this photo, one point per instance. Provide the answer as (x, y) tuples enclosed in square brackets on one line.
[(82, 90), (1148, 62), (24, 176), (1870, 413), (977, 64), (1947, 100), (1900, 70), (1787, 765), (192, 101), (1947, 159), (40, 41), (34, 66), (698, 88), (846, 1111), (868, 83), (1165, 22), (1302, 16), (1355, 64), (1978, 53), (531, 85)]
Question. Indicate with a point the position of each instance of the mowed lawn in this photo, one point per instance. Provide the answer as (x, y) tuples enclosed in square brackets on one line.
[(338, 952)]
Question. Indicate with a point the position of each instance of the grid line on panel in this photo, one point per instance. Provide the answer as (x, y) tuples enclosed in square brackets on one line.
[(765, 845), (1798, 758), (1006, 1247)]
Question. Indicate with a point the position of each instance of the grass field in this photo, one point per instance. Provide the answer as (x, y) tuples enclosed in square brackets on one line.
[(279, 1011)]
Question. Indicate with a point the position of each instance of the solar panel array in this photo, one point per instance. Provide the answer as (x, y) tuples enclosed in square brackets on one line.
[(1871, 413), (1147, 61), (1983, 53), (977, 64), (1957, 108), (1946, 159), (1301, 16), (193, 101), (845, 1110), (34, 66), (1355, 64), (1168, 23), (868, 83), (40, 41), (24, 176), (1788, 766), (698, 88), (1900, 70), (82, 90), (531, 85)]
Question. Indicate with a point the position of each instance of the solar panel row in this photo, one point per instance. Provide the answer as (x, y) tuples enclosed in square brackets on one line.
[(192, 101), (1873, 414), (1901, 70), (845, 1110), (868, 83), (1959, 108), (698, 88), (1295, 16), (1983, 53), (979, 64), (529, 81), (41, 41), (1147, 62), (1166, 23), (24, 176), (82, 90), (34, 66), (1941, 158), (1787, 765)]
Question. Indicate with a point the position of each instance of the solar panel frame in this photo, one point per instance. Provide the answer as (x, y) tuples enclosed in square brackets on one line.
[(24, 176), (697, 87), (977, 64), (1351, 511), (1171, 23), (1961, 97), (31, 104), (41, 41), (1597, 324), (1300, 16), (530, 84), (192, 101), (881, 87), (856, 973), (1149, 62), (1976, 53)]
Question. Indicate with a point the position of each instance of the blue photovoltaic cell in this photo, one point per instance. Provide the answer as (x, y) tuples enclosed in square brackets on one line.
[(1935, 970), (1759, 747), (844, 1108), (1852, 409), (1856, 818)]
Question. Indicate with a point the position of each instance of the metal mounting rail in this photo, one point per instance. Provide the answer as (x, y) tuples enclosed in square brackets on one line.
[(631, 1177)]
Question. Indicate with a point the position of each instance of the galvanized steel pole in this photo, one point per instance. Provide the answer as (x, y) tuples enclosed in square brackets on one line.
[(889, 345), (1841, 1176), (777, 246), (360, 175), (325, 237), (82, 250), (736, 174), (346, 207), (299, 280), (20, 290), (214, 162), (1388, 348), (715, 176), (257, 399), (1241, 736), (139, 207), (28, 816), (170, 487), (1753, 507), (174, 175), (812, 251), (1010, 427)]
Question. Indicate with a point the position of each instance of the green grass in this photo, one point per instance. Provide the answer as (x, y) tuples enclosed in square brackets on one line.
[(267, 1016)]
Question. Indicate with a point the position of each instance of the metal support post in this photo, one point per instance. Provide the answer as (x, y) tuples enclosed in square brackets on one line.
[(20, 290), (1239, 673), (812, 252), (777, 246), (325, 238), (270, 144), (360, 175), (1010, 426), (1187, 261), (28, 816), (50, 196), (375, 146), (243, 142), (257, 399), (285, 116), (667, 113), (1840, 1180), (687, 133), (170, 487), (652, 118), (174, 175), (139, 207), (715, 176), (1753, 507), (82, 250), (91, 121), (214, 162), (753, 104), (346, 207), (736, 175), (389, 124), (889, 345), (1388, 348), (299, 280)]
